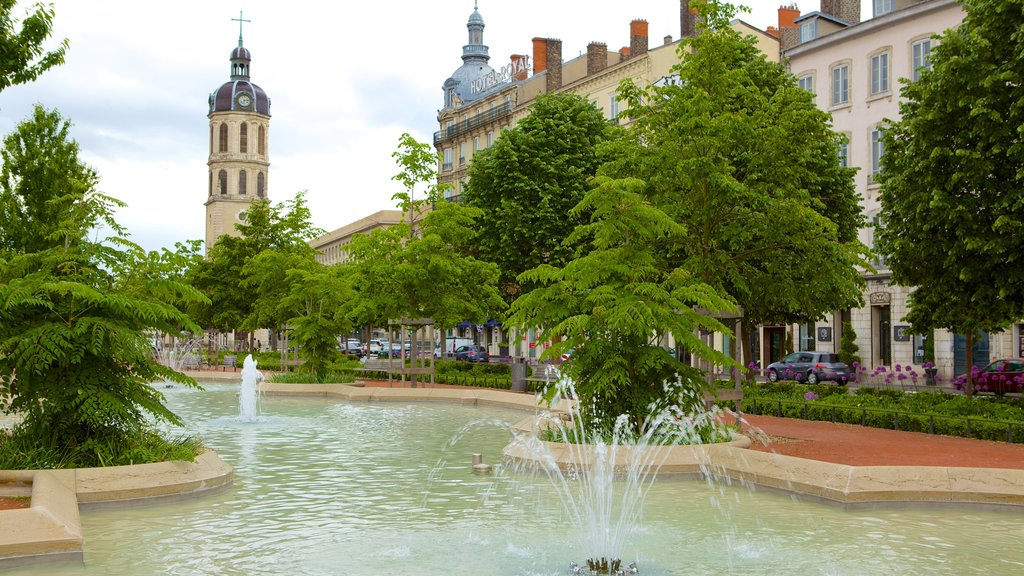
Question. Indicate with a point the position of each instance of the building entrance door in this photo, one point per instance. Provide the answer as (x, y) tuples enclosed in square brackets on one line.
[(881, 341), (775, 344)]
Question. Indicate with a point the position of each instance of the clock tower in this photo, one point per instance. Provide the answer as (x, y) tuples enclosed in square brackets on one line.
[(239, 159)]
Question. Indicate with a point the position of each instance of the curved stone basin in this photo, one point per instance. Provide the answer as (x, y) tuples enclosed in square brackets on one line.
[(327, 492)]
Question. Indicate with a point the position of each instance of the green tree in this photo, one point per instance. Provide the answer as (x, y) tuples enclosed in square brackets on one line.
[(738, 154), (528, 182), (614, 301), (317, 296), (953, 179), (22, 57), (848, 348), (75, 353), (430, 273), (244, 297)]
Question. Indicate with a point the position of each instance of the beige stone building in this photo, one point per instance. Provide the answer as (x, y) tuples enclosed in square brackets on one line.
[(480, 102), (854, 68), (239, 160), (332, 247)]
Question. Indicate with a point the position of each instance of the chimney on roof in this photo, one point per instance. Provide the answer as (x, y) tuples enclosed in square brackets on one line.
[(687, 20), (553, 57), (789, 34), (540, 55), (624, 52), (519, 64), (772, 31), (638, 37), (846, 10), (597, 57), (668, 40)]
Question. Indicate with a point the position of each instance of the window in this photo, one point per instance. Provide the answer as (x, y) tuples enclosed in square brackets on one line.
[(806, 82), (844, 154), (211, 146), (242, 188), (876, 224), (262, 136), (490, 139), (613, 107), (223, 140), (882, 7), (807, 334), (920, 53), (261, 185), (809, 30), (462, 153), (447, 163), (841, 84), (877, 151), (243, 138), (476, 144), (222, 181), (880, 73)]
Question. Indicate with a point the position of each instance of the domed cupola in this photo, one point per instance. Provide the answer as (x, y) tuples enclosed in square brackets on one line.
[(239, 94), (467, 83)]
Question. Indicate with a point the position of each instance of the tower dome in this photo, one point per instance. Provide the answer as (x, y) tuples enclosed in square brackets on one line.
[(467, 82), (239, 93)]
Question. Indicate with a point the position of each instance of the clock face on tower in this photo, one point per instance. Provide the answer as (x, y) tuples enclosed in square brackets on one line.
[(244, 100)]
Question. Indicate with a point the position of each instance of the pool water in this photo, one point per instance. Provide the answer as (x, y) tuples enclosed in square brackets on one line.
[(325, 487)]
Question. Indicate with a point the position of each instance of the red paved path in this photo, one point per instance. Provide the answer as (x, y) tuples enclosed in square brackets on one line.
[(863, 446)]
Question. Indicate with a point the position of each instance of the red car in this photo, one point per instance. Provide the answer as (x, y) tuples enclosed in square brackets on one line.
[(1001, 376)]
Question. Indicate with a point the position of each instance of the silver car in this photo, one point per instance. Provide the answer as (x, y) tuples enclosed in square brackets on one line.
[(809, 367)]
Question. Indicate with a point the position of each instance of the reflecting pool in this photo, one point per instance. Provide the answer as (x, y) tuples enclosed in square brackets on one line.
[(324, 487)]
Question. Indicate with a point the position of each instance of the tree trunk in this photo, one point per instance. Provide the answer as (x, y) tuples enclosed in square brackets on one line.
[(741, 334), (969, 356)]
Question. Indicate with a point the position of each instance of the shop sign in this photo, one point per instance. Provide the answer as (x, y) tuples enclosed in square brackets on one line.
[(506, 74)]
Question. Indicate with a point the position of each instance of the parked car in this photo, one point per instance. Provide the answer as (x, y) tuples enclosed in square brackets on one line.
[(472, 353), (1001, 376), (809, 367), (354, 346)]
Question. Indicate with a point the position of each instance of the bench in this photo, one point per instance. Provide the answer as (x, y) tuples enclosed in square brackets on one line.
[(289, 365), (229, 362), (376, 365)]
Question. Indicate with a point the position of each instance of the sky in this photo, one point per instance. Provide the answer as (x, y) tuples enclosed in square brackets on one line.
[(345, 79)]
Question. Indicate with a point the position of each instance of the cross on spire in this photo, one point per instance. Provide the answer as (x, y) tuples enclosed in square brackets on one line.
[(240, 20)]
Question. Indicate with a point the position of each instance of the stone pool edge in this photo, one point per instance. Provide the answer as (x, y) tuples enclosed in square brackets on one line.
[(50, 529), (826, 481)]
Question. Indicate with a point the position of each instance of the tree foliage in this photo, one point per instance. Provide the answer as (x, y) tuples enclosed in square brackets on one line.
[(739, 156), (614, 302), (430, 273), (953, 178), (75, 353), (528, 182), (22, 56)]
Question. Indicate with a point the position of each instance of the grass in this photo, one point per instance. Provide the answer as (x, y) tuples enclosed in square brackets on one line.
[(22, 451), (307, 378)]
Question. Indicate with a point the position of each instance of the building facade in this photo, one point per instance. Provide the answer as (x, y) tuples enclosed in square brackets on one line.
[(332, 247), (239, 159), (855, 69), (480, 102)]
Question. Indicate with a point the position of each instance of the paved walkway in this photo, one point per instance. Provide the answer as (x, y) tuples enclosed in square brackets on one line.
[(862, 446)]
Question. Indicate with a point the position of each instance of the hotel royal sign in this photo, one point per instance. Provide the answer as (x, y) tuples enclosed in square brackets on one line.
[(503, 76)]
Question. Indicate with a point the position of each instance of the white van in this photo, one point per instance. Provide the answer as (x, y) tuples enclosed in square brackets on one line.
[(451, 344)]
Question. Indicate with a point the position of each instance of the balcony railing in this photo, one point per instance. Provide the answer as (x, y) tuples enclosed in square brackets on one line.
[(446, 167), (468, 124)]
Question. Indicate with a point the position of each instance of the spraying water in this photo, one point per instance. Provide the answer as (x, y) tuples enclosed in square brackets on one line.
[(604, 486), (249, 396)]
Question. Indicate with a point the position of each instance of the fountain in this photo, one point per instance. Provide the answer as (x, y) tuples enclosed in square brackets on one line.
[(604, 485), (335, 487), (249, 395), (182, 355)]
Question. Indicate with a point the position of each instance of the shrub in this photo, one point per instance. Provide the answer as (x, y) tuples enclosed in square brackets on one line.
[(848, 345)]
